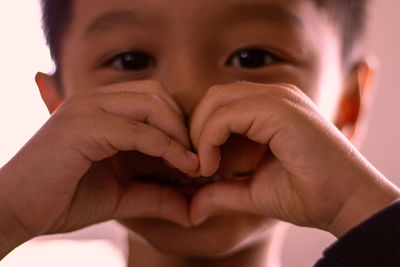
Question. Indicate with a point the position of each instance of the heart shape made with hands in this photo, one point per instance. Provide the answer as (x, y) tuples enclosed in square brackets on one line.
[(234, 157), (238, 156), (258, 130), (230, 155)]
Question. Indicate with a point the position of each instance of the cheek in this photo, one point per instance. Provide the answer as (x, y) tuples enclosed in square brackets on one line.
[(330, 81), (218, 236), (328, 100)]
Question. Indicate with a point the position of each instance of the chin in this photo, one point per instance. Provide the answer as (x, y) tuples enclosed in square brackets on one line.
[(219, 236)]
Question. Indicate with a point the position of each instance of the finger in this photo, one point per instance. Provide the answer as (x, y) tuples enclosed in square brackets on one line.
[(153, 201), (113, 134), (147, 108), (248, 117), (220, 95), (145, 87), (100, 197), (221, 197)]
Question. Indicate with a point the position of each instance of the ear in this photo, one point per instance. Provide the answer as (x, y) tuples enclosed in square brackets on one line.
[(355, 100), (49, 90)]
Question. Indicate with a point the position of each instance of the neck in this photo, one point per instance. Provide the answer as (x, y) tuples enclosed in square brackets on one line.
[(263, 253)]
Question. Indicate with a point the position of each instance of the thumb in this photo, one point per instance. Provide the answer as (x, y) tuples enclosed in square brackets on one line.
[(210, 158), (221, 197), (153, 201)]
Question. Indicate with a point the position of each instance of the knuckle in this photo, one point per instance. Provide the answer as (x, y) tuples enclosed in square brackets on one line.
[(156, 88), (283, 94), (84, 103), (227, 89), (171, 144), (226, 109), (138, 127), (215, 90), (154, 85), (241, 83), (291, 88), (79, 112), (155, 97)]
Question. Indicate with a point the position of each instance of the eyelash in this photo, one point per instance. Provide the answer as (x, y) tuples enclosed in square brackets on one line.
[(248, 58)]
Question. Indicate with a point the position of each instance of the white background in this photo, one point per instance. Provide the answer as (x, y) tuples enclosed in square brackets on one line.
[(23, 53)]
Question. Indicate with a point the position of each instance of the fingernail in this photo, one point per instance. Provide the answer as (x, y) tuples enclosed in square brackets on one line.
[(192, 155)]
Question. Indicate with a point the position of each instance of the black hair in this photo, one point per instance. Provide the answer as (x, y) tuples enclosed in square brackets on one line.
[(349, 14), (56, 15)]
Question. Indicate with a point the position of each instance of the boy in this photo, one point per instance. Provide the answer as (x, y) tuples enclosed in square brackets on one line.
[(152, 127)]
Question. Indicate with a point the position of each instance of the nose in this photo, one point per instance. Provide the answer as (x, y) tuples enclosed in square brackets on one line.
[(187, 77)]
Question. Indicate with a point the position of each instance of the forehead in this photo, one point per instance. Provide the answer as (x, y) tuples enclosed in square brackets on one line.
[(94, 15)]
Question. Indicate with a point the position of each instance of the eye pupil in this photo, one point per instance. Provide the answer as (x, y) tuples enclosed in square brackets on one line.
[(252, 58), (134, 61)]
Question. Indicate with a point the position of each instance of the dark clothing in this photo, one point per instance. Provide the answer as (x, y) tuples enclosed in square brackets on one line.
[(374, 243)]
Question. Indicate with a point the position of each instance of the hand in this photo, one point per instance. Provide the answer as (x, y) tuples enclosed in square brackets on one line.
[(310, 176), (63, 180)]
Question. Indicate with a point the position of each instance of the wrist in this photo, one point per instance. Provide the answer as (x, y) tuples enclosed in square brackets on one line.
[(12, 233), (366, 201)]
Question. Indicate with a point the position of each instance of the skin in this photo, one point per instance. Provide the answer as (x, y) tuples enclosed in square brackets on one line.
[(189, 116)]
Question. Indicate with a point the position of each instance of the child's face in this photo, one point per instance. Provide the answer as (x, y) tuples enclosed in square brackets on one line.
[(189, 46)]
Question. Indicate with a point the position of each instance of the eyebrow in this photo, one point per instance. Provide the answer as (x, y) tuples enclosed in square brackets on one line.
[(260, 11), (117, 18)]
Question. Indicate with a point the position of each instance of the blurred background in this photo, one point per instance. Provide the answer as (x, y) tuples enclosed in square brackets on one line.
[(23, 52)]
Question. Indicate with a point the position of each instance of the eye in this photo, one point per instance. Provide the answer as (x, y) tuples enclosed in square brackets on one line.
[(252, 58), (131, 61)]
